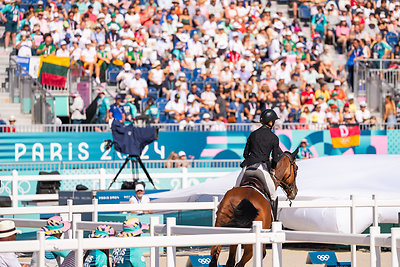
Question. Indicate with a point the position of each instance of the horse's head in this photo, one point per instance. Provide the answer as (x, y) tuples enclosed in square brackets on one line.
[(286, 173)]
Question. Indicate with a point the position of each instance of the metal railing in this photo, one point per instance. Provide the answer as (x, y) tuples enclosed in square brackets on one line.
[(24, 87), (174, 127), (374, 79), (94, 165), (183, 236)]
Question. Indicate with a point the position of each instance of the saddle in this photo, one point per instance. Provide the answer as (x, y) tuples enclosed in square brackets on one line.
[(255, 178)]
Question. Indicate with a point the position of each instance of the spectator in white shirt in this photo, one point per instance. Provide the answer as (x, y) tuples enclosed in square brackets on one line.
[(210, 26), (175, 108), (187, 123), (193, 107), (75, 50), (195, 48), (236, 45), (363, 115), (89, 56), (208, 98), (63, 51), (8, 233), (283, 73), (124, 76), (137, 88), (24, 46), (140, 198)]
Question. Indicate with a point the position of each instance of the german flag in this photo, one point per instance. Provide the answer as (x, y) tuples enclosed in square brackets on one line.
[(53, 71), (345, 135)]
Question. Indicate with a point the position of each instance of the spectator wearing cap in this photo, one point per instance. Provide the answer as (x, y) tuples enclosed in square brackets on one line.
[(334, 115), (62, 51), (206, 122), (180, 88), (342, 35), (294, 99), (98, 36), (140, 197), (132, 256), (226, 77), (151, 110), (103, 107), (175, 108), (355, 53), (182, 160), (77, 108), (99, 257), (155, 29), (193, 107), (10, 15), (208, 98), (335, 100), (25, 45), (346, 111), (130, 110), (137, 87), (54, 229), (116, 110), (169, 26), (8, 232), (112, 36), (304, 151), (47, 48), (11, 127), (337, 88)]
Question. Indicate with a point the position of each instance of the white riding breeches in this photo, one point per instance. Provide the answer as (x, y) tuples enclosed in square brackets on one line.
[(267, 177)]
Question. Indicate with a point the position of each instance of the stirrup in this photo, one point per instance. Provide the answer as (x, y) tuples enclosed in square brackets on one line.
[(274, 205)]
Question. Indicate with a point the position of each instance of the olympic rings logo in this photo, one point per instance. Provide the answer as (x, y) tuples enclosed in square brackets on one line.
[(323, 257), (204, 260)]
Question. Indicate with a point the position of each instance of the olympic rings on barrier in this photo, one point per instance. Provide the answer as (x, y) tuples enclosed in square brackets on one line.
[(204, 260), (323, 257)]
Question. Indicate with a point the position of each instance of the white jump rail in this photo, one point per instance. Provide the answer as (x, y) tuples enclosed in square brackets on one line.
[(182, 236), (99, 181)]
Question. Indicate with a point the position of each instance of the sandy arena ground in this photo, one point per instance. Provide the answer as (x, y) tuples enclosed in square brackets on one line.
[(292, 257)]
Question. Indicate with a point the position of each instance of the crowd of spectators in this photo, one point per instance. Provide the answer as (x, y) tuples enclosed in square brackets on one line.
[(217, 60)]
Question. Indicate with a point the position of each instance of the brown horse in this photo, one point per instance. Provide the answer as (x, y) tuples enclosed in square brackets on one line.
[(243, 205)]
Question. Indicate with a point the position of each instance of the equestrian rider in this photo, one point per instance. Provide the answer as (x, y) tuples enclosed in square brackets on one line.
[(260, 144)]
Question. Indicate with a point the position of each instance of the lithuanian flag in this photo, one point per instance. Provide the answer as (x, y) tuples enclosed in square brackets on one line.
[(53, 71), (345, 135)]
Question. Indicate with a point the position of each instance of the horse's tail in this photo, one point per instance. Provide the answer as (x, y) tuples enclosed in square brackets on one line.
[(243, 215)]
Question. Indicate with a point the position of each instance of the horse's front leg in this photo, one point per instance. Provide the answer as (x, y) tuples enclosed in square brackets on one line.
[(247, 254), (232, 255)]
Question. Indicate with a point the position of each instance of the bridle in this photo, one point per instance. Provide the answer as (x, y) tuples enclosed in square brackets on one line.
[(288, 188)]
